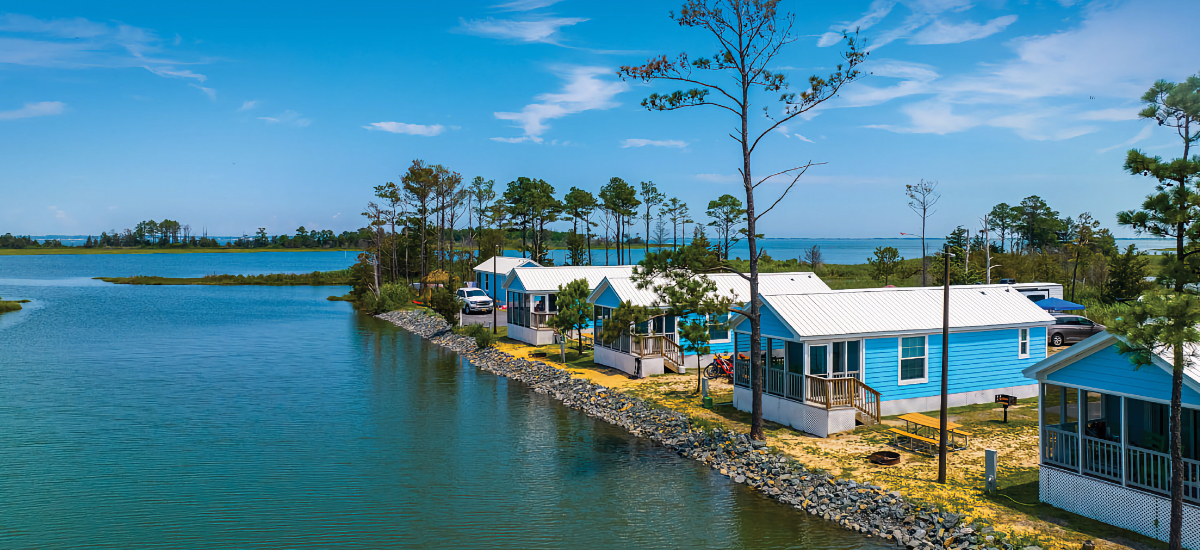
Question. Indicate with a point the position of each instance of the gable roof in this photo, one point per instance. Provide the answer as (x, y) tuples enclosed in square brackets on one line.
[(504, 264), (1104, 340), (548, 279), (727, 284), (874, 311)]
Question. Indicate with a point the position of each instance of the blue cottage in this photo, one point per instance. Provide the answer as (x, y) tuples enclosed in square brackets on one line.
[(655, 347), (1104, 437), (834, 359), (490, 275)]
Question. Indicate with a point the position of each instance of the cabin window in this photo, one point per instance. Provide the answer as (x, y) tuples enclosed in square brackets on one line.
[(718, 327), (912, 360), (1024, 351)]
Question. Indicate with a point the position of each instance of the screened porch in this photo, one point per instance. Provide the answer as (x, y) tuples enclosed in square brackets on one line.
[(1118, 439), (826, 374)]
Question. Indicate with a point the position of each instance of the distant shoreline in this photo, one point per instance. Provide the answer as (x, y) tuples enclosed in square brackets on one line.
[(75, 250)]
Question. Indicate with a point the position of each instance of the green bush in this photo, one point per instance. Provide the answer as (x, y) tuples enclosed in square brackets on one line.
[(392, 296), (482, 334), (445, 302)]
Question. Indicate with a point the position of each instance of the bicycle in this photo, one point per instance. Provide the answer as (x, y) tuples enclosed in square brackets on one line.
[(721, 367)]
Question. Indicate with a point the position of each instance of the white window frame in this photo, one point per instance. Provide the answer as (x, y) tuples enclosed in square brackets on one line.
[(708, 321), (1023, 340), (900, 361)]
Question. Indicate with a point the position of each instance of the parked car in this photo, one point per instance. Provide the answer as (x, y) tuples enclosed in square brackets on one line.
[(474, 300), (1068, 329)]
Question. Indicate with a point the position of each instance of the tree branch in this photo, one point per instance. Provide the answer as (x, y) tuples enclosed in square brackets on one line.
[(784, 194)]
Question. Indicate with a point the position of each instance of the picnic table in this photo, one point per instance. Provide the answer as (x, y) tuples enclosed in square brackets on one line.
[(923, 433)]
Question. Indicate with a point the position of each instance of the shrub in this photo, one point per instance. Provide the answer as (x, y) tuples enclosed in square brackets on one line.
[(482, 334), (392, 296), (445, 303)]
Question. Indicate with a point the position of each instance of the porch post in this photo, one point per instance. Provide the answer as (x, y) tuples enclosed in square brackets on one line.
[(1041, 422), (1080, 417), (1124, 443)]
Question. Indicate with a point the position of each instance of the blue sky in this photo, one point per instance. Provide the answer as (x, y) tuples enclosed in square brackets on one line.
[(231, 116)]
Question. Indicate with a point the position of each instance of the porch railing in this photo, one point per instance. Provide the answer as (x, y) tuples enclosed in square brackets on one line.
[(1060, 447), (538, 320), (843, 392), (1102, 458), (1151, 470), (775, 381)]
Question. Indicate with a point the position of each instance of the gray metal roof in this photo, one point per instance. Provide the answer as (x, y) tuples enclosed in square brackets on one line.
[(548, 279), (728, 284), (903, 310), (504, 264)]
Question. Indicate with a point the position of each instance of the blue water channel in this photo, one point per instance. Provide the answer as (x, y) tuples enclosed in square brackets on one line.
[(269, 417)]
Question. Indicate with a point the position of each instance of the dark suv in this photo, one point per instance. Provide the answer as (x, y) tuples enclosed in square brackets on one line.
[(1068, 329)]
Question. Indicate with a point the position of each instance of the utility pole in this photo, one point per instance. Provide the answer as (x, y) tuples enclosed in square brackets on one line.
[(495, 289), (945, 366)]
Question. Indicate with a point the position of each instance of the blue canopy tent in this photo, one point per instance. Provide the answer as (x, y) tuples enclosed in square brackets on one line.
[(1056, 304)]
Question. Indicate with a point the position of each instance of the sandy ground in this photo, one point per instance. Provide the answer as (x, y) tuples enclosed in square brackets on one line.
[(845, 455)]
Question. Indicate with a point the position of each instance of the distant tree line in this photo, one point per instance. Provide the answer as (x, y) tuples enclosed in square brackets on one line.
[(172, 234)]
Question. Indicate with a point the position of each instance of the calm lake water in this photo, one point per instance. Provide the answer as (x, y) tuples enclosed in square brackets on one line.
[(269, 417), (833, 251)]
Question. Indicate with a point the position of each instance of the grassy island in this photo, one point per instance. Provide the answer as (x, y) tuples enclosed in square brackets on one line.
[(316, 278), (11, 305)]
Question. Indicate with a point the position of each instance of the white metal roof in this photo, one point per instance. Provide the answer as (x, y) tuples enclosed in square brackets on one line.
[(548, 279), (1163, 358), (728, 284), (876, 311), (504, 264)]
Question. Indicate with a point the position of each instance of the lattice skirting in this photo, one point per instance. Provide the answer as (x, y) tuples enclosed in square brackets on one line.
[(1113, 504)]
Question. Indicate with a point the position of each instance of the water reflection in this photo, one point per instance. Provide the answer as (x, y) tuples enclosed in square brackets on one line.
[(261, 417)]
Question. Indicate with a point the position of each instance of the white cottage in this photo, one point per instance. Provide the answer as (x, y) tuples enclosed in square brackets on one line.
[(490, 274), (1104, 438), (532, 295)]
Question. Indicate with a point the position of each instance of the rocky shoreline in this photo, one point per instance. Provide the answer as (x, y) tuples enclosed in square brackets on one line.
[(864, 509)]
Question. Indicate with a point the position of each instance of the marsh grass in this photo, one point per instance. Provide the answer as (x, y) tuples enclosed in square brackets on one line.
[(317, 278)]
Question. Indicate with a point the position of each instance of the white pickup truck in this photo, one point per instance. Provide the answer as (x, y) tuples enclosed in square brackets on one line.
[(474, 300)]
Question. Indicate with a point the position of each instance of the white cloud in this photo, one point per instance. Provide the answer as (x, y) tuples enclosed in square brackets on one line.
[(719, 178), (58, 213), (671, 143), (82, 44), (923, 14), (526, 5), (35, 109), (1115, 52), (410, 129), (940, 32), (247, 105), (583, 92), (930, 117), (172, 72), (1110, 114), (211, 93), (875, 13), (544, 29), (1144, 134), (288, 117), (511, 140), (802, 138)]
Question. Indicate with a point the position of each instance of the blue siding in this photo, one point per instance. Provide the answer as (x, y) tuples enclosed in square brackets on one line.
[(609, 298), (516, 285), (978, 361), (772, 326), (1108, 370), (716, 347)]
